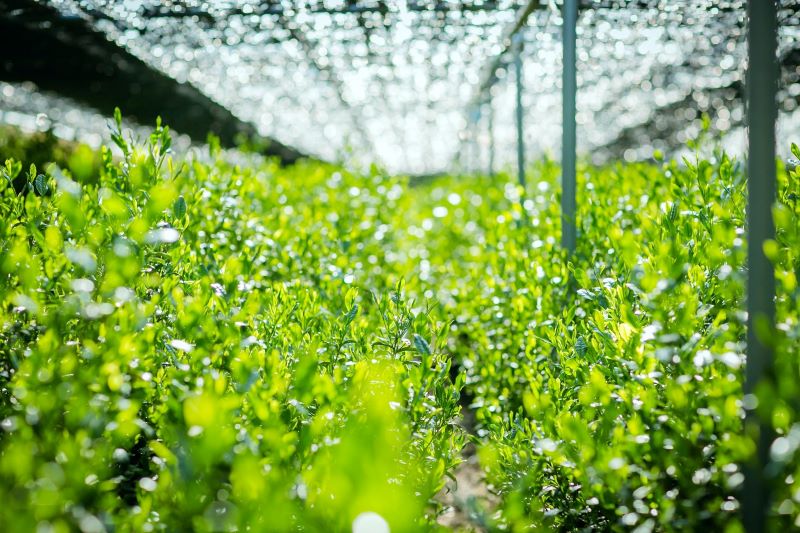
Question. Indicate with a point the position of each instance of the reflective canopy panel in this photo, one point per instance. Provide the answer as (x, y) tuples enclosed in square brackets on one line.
[(393, 81), (389, 79), (645, 74)]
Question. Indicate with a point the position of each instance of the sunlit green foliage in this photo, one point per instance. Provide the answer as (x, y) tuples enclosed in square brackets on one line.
[(609, 387), (188, 343), (199, 345)]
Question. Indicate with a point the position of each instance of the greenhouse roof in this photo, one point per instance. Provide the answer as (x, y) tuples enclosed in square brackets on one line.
[(404, 82)]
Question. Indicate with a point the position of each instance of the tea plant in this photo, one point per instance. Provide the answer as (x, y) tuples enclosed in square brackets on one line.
[(608, 385), (192, 345), (197, 343)]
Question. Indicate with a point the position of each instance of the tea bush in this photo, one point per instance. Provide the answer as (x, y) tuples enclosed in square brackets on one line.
[(201, 346), (608, 387), (190, 343)]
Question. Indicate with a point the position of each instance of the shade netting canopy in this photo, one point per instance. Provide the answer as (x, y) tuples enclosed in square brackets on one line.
[(414, 85)]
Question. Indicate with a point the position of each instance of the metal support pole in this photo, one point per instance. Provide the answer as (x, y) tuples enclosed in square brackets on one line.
[(517, 46), (469, 145), (490, 132), (470, 148), (762, 75), (476, 140), (476, 149), (568, 150), (472, 140)]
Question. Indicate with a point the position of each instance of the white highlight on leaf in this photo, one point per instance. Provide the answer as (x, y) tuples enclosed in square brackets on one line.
[(181, 345), (162, 235), (370, 522)]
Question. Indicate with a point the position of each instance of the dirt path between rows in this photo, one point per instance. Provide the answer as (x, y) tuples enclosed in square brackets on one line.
[(467, 498)]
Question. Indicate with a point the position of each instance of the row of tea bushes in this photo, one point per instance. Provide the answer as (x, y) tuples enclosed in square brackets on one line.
[(193, 343)]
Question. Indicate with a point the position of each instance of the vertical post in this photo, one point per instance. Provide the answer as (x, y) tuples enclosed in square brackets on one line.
[(762, 76), (568, 148), (462, 154), (459, 157), (472, 139), (490, 132), (476, 149), (517, 47), (476, 140), (467, 147)]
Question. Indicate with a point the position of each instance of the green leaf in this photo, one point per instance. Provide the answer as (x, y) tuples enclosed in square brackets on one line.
[(422, 345), (179, 207), (40, 185), (351, 314), (771, 250), (586, 294), (580, 346)]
